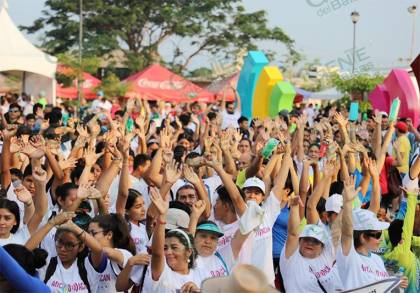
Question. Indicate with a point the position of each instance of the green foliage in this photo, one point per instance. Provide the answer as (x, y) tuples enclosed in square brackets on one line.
[(75, 70), (358, 84), (140, 28), (112, 87)]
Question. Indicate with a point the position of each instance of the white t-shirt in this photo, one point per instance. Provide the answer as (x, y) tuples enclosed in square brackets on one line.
[(68, 280), (230, 120), (262, 239), (140, 238), (229, 231), (19, 237), (137, 184), (211, 184), (357, 270), (170, 281), (300, 274), (108, 278), (218, 265), (48, 243)]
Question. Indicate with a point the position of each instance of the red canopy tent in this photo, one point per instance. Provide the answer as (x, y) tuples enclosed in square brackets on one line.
[(221, 87), (158, 83), (88, 86)]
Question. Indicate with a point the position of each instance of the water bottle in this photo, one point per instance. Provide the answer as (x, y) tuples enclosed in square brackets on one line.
[(398, 275), (269, 147)]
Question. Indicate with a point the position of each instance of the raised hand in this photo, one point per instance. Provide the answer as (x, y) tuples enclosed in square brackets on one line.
[(377, 118), (23, 195), (10, 131), (160, 204), (83, 191), (91, 157), (172, 172), (94, 193), (69, 225), (373, 169), (67, 164), (301, 121), (82, 131), (167, 156), (16, 145), (39, 174), (294, 201), (191, 176), (340, 119), (329, 168), (198, 207), (165, 139), (37, 141), (62, 218), (224, 141), (350, 192)]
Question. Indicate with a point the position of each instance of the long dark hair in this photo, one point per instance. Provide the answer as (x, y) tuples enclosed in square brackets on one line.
[(14, 209), (30, 261), (120, 232)]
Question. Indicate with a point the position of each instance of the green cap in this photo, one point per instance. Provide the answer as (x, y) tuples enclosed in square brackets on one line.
[(210, 227)]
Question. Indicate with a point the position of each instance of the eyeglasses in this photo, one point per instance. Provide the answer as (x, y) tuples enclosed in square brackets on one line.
[(67, 245), (93, 233), (376, 235), (312, 240)]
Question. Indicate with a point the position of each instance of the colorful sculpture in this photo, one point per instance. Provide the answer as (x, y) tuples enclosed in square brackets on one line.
[(282, 97), (253, 64), (269, 76), (379, 98)]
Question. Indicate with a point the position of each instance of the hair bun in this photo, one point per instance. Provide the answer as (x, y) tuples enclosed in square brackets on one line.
[(40, 257)]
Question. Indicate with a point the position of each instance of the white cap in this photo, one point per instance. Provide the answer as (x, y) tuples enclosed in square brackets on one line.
[(316, 232), (177, 218), (254, 182), (367, 220), (383, 113), (334, 203)]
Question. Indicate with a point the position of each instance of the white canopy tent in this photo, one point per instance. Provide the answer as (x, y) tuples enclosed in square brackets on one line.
[(328, 94), (18, 54)]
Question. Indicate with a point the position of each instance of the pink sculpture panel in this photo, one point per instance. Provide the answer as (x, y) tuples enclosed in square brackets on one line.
[(397, 84)]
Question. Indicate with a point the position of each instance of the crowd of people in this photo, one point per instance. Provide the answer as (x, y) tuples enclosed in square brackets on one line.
[(144, 196)]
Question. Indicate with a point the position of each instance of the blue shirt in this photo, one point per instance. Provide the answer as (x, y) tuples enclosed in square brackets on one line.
[(280, 231)]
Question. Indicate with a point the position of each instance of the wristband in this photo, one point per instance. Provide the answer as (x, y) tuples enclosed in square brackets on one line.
[(161, 222)]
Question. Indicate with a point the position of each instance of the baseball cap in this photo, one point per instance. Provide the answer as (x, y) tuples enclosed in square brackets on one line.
[(316, 232), (401, 126), (367, 220), (334, 203), (210, 227), (177, 218), (254, 182), (384, 114)]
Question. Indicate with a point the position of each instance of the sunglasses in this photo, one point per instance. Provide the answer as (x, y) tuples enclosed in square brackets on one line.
[(376, 235), (69, 246)]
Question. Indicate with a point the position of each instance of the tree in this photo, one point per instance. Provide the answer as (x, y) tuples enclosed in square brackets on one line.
[(141, 28), (357, 87)]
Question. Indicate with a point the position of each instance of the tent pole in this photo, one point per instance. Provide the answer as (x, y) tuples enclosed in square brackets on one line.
[(24, 82)]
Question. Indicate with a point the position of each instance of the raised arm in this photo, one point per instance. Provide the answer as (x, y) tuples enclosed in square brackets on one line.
[(39, 235), (292, 241), (6, 178), (311, 212), (375, 198), (415, 169), (347, 222), (387, 140), (238, 201), (280, 180), (40, 199), (193, 178), (124, 183), (158, 243)]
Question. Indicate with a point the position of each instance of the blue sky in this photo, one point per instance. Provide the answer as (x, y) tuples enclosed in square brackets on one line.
[(321, 28)]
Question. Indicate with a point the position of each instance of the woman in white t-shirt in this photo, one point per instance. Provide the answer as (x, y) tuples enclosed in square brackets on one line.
[(12, 231), (307, 260), (111, 231), (173, 257), (360, 236), (74, 268)]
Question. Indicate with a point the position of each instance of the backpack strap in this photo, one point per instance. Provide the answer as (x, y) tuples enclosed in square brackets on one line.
[(219, 256), (82, 272), (52, 266)]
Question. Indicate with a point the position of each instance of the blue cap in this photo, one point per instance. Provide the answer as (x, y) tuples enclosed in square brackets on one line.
[(100, 94), (210, 227)]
